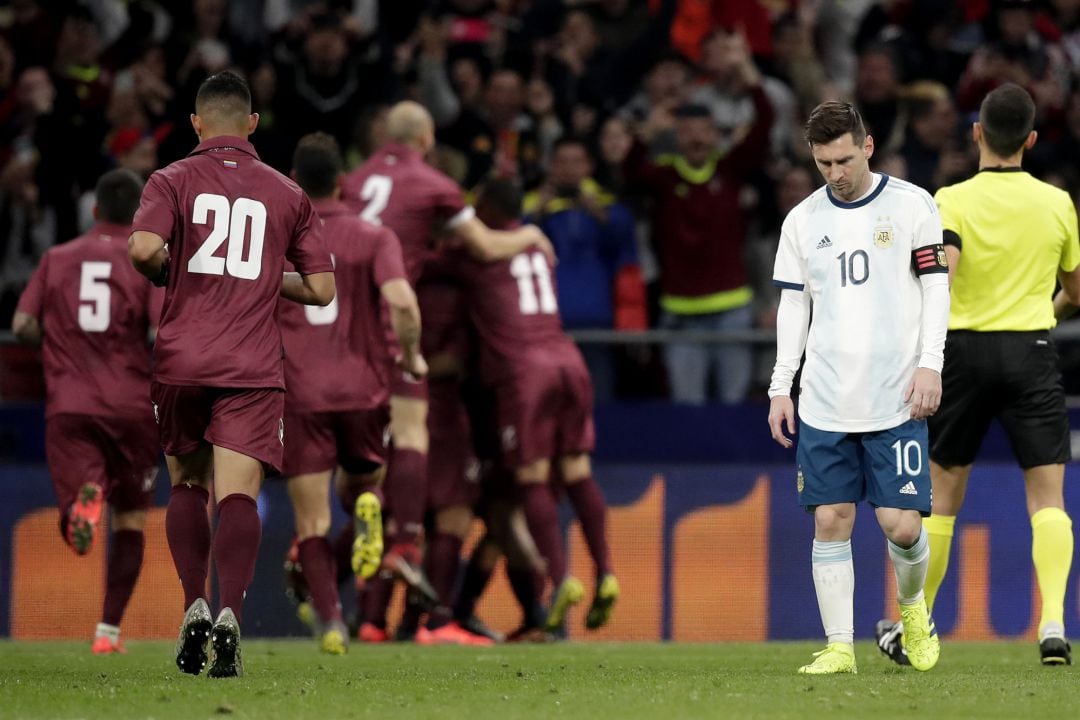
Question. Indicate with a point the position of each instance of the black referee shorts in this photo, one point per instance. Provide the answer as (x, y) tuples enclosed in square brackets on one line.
[(1013, 376)]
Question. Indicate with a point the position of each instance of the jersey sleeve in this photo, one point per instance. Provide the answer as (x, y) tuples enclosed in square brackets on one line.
[(949, 214), (389, 260), (158, 212), (32, 299), (1070, 254), (307, 249), (449, 203), (927, 248), (789, 270)]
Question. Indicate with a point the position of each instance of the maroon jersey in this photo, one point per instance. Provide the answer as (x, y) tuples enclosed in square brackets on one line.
[(335, 356), (95, 310), (514, 307), (396, 188), (230, 221)]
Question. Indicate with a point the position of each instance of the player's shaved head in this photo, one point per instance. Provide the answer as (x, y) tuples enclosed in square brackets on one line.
[(117, 196), (409, 123), (223, 106), (1007, 117), (317, 165)]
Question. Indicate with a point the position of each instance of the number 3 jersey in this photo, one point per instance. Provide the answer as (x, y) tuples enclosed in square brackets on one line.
[(229, 221), (96, 311), (861, 263), (336, 356)]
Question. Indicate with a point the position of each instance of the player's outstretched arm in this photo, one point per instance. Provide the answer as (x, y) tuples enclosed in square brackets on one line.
[(27, 328), (488, 245), (405, 319), (149, 255), (313, 289)]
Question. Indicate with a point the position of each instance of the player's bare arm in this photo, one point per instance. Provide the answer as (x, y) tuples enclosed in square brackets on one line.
[(27, 328), (405, 319), (313, 289), (488, 245), (952, 254), (149, 255)]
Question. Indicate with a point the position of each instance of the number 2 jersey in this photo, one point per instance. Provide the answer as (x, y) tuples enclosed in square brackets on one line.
[(229, 221), (861, 262), (336, 356), (95, 310)]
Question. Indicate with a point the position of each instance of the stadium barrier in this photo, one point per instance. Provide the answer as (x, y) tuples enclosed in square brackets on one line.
[(707, 542)]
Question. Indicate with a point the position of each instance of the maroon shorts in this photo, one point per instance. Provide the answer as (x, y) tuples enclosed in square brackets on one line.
[(546, 413), (248, 421), (453, 473), (120, 454), (320, 441)]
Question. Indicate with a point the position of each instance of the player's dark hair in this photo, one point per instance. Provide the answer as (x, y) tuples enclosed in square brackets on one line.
[(1007, 117), (317, 164), (226, 93), (831, 120), (117, 196), (503, 197)]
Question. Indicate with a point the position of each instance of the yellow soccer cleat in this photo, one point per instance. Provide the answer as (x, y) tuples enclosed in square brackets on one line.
[(607, 593), (333, 641), (921, 642), (367, 549), (835, 659), (569, 593)]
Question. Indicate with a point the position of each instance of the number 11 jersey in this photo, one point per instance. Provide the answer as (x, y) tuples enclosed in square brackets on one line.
[(858, 262), (230, 221)]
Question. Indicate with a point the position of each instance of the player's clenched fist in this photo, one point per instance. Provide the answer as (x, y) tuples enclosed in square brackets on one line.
[(781, 411)]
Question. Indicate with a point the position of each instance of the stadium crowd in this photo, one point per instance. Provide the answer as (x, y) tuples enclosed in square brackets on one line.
[(572, 99), (652, 147)]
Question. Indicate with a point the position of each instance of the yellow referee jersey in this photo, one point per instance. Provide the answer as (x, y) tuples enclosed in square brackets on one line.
[(1015, 233)]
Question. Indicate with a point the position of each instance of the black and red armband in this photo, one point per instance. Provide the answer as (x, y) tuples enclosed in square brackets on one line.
[(929, 259)]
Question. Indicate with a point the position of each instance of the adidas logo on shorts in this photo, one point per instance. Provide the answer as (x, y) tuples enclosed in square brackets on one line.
[(909, 489)]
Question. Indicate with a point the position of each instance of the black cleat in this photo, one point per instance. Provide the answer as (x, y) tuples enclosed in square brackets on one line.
[(478, 627), (225, 644), (888, 634), (1055, 651), (194, 634)]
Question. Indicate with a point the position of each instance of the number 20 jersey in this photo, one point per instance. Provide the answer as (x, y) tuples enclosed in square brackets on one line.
[(857, 262), (230, 221)]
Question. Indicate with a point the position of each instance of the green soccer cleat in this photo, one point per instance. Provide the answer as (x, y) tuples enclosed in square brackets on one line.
[(226, 660), (335, 639), (194, 634), (367, 549), (835, 659), (607, 593), (569, 593), (921, 642)]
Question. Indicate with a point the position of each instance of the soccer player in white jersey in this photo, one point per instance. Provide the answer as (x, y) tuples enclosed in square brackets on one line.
[(866, 252)]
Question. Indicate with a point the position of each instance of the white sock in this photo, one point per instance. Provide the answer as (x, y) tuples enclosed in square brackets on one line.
[(834, 581), (910, 565), (110, 631)]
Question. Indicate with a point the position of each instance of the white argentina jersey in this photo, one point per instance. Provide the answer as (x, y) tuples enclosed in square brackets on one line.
[(857, 261)]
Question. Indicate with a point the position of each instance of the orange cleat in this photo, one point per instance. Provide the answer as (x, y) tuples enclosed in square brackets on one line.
[(105, 646), (84, 516), (371, 633), (451, 634)]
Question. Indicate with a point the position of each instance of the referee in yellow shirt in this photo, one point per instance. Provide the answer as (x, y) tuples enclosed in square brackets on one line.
[(1008, 238)]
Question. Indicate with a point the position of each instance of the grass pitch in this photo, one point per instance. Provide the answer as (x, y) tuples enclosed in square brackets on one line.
[(291, 679)]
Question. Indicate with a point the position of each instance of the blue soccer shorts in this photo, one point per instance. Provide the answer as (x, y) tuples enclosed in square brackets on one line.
[(887, 468)]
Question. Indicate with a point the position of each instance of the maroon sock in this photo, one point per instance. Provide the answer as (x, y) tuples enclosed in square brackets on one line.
[(475, 581), (342, 550), (317, 559), (188, 531), (125, 561), (543, 519), (406, 491), (527, 587), (236, 547), (591, 510), (376, 599), (442, 560)]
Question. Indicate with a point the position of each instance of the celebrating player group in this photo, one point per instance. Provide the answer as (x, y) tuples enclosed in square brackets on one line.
[(287, 343)]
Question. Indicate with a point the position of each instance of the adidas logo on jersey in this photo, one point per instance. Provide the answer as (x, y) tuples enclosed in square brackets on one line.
[(909, 489), (824, 243)]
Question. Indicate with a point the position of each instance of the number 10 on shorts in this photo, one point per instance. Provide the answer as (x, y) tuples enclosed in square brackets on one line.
[(908, 457)]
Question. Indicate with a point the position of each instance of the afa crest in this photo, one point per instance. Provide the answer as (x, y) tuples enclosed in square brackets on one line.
[(883, 238), (800, 482), (942, 258)]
